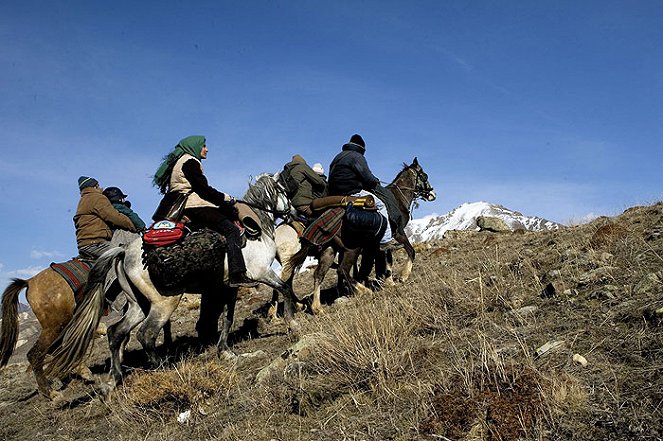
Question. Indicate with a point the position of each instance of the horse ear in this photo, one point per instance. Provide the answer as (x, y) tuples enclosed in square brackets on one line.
[(415, 162)]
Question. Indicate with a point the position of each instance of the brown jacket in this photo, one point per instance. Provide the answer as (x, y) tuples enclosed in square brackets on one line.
[(93, 216)]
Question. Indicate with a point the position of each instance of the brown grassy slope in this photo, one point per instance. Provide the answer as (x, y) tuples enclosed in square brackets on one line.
[(456, 353)]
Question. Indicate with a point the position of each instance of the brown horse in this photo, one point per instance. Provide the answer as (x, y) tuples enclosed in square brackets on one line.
[(410, 184), (52, 301)]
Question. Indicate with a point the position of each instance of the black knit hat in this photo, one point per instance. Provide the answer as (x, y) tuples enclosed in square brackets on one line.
[(114, 194), (85, 181), (356, 139)]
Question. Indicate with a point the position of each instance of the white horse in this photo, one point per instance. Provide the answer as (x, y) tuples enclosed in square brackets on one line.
[(153, 307)]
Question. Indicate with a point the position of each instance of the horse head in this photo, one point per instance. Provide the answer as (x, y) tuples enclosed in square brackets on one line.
[(414, 180), (269, 197), (422, 187)]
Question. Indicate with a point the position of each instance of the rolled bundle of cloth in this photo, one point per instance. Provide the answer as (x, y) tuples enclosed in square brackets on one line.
[(363, 202)]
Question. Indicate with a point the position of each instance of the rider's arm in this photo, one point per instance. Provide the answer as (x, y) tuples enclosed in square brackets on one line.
[(369, 181), (194, 174)]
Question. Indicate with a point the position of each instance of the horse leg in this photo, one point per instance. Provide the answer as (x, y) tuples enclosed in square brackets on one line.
[(383, 266), (344, 282), (409, 249), (287, 245), (157, 317), (325, 262), (119, 334), (228, 318), (36, 356)]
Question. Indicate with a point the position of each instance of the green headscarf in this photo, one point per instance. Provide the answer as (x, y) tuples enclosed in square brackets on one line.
[(192, 145)]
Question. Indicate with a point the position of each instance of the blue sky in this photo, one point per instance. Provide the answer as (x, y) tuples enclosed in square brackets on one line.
[(551, 108)]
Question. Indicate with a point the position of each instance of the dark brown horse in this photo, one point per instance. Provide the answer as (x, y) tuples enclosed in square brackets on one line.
[(410, 184)]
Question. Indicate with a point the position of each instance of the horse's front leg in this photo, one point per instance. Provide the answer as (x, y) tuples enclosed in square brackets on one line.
[(149, 331), (289, 299), (409, 249), (324, 263)]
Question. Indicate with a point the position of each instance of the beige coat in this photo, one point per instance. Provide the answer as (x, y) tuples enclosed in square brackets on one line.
[(179, 183)]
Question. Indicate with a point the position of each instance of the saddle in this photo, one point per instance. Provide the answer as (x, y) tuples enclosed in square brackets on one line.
[(75, 272), (164, 232)]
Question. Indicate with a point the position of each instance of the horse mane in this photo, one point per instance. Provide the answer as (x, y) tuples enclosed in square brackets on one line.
[(403, 170), (263, 193)]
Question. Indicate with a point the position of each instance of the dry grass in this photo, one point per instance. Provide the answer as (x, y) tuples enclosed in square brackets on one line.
[(452, 354)]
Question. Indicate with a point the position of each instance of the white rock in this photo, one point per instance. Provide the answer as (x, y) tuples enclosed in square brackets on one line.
[(582, 361), (183, 418)]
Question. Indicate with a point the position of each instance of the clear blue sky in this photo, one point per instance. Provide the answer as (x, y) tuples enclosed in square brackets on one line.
[(551, 108)]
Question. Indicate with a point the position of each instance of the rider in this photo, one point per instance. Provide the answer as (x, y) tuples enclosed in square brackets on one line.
[(181, 172), (121, 204), (349, 175), (94, 218), (317, 167), (307, 182)]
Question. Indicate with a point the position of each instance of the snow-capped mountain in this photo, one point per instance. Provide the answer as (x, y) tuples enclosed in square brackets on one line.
[(465, 218)]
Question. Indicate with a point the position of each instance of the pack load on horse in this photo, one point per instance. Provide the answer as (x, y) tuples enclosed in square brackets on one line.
[(158, 302), (325, 236)]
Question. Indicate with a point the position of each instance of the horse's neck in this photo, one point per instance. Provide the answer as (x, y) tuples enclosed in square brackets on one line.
[(403, 191)]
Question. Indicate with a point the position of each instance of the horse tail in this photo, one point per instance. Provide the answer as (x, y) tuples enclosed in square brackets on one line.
[(72, 344), (296, 260), (9, 331)]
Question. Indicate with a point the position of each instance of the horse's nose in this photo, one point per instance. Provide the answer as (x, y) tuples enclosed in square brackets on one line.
[(431, 196)]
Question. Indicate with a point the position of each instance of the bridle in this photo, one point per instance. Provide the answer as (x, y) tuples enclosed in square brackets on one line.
[(419, 181)]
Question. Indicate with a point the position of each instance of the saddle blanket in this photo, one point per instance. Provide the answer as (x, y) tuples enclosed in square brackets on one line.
[(74, 272), (325, 227)]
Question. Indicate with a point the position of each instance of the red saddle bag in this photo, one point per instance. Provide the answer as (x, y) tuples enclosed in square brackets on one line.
[(163, 233)]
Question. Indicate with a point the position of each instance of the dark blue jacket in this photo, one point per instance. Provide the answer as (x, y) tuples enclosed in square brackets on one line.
[(349, 172)]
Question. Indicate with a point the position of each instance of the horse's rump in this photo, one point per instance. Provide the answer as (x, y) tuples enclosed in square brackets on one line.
[(198, 255)]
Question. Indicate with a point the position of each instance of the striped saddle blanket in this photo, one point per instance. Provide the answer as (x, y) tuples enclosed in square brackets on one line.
[(74, 272), (325, 227)]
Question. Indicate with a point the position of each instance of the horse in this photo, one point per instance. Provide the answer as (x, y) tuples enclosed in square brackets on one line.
[(152, 305), (52, 301), (410, 184)]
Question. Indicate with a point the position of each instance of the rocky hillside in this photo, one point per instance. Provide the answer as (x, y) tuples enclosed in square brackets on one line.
[(523, 335)]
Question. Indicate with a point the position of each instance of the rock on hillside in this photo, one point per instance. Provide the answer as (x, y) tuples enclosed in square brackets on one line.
[(465, 218)]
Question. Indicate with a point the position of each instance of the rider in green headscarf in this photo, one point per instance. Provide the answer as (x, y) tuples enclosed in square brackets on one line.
[(192, 145)]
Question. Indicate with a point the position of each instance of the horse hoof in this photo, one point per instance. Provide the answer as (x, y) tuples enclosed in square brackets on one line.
[(101, 330), (55, 396), (228, 355), (294, 327)]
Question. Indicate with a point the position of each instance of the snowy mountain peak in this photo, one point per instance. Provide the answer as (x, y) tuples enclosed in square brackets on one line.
[(433, 227)]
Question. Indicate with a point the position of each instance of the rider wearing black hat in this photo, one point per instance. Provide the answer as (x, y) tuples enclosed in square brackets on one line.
[(119, 202)]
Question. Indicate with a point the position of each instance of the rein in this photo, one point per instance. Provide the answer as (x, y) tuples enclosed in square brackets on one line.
[(267, 210)]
